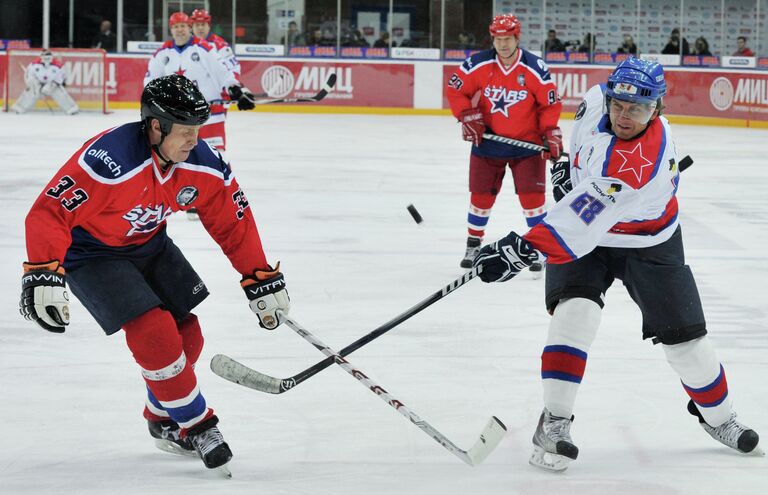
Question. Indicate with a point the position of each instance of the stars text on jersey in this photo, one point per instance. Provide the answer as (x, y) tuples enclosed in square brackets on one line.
[(502, 98)]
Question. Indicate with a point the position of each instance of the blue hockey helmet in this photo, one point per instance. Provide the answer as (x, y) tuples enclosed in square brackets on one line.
[(638, 81)]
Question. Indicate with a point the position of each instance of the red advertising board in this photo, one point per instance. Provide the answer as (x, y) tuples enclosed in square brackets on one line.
[(358, 84), (699, 93)]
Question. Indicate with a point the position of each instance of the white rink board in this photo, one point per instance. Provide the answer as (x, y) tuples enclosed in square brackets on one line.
[(330, 195)]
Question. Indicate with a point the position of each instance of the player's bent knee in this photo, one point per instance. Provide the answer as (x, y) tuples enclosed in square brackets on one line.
[(575, 322), (192, 337), (154, 339)]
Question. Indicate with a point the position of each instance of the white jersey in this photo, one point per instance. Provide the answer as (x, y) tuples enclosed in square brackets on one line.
[(226, 55), (39, 74), (624, 191), (198, 61)]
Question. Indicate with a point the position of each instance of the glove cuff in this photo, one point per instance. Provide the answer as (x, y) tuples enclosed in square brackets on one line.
[(54, 266), (260, 275)]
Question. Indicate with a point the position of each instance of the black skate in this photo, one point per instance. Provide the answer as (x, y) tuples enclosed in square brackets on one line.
[(210, 445), (731, 433), (168, 439), (473, 247), (553, 448)]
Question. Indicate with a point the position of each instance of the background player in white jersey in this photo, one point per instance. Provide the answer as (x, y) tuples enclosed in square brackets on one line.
[(617, 217), (201, 27), (45, 77), (198, 60)]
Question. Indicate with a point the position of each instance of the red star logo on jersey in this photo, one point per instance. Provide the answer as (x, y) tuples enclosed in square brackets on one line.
[(634, 162), (180, 71)]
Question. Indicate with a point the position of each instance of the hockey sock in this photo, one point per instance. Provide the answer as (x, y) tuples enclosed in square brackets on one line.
[(479, 212), (703, 378), (534, 207), (156, 344), (191, 337), (571, 332)]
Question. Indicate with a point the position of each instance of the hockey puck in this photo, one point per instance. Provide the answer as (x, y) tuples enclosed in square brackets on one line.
[(415, 214)]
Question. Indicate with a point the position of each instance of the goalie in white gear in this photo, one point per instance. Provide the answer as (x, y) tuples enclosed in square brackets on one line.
[(45, 77)]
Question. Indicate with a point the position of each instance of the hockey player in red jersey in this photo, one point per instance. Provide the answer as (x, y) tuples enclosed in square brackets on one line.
[(517, 98), (201, 28), (616, 217), (201, 62), (99, 226)]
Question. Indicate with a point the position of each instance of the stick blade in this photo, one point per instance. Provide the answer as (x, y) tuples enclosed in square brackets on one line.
[(491, 436), (236, 372)]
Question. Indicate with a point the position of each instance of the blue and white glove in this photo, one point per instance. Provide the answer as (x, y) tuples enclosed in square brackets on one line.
[(505, 258)]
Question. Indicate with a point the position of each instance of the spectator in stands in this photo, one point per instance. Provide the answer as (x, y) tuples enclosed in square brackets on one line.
[(552, 43), (361, 41), (106, 39), (628, 46), (701, 47), (316, 38), (673, 45), (383, 41), (466, 41), (293, 37), (588, 45), (743, 50)]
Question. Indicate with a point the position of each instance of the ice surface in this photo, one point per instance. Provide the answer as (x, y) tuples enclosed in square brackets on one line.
[(330, 193)]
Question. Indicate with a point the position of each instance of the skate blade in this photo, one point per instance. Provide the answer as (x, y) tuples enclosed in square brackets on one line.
[(224, 471), (172, 448), (549, 461), (756, 452)]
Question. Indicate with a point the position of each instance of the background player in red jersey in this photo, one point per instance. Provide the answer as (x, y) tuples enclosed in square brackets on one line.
[(99, 226), (517, 99)]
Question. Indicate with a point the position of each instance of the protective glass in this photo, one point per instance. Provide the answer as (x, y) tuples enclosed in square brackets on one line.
[(637, 112)]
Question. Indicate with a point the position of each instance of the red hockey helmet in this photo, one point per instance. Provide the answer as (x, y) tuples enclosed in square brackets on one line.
[(200, 15), (178, 18), (505, 25)]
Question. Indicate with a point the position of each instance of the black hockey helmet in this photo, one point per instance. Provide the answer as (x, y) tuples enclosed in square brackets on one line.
[(172, 100)]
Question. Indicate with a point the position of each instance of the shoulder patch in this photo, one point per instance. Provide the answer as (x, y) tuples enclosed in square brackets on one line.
[(116, 153), (581, 110)]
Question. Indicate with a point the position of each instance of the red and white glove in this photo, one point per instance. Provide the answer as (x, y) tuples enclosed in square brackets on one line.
[(553, 141), (472, 125)]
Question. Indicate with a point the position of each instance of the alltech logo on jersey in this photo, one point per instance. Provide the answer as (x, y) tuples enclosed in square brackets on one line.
[(385, 85)]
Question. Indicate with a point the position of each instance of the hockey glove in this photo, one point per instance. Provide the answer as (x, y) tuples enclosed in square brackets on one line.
[(561, 178), (266, 292), (472, 125), (553, 142), (505, 258), (243, 97), (44, 297)]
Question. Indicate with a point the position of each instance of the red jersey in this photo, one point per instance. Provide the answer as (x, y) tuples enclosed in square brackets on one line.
[(519, 101), (111, 198)]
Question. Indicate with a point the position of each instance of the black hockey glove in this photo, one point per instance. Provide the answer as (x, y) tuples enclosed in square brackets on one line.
[(243, 97), (561, 178), (505, 258), (44, 297), (266, 292)]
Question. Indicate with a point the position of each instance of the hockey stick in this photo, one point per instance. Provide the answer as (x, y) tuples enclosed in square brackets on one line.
[(236, 372), (492, 433), (327, 87), (514, 142)]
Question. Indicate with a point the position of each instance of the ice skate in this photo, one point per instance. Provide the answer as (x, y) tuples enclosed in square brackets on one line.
[(537, 269), (553, 448), (210, 445), (473, 247), (168, 439), (731, 433)]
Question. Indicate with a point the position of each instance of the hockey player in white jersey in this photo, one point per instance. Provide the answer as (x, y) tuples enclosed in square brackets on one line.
[(45, 77), (201, 27), (199, 61), (617, 218)]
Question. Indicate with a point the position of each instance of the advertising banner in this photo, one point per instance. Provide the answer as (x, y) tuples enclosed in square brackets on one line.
[(699, 93)]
